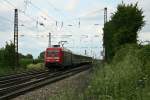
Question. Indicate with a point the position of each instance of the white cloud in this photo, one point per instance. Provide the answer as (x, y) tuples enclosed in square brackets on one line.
[(144, 36), (71, 5)]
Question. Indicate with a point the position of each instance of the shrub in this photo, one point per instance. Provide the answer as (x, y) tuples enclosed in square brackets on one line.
[(25, 62), (124, 78), (35, 66)]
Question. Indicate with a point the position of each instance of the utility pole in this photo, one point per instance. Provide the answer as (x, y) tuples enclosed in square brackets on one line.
[(85, 53), (105, 15), (16, 37), (49, 45), (105, 21)]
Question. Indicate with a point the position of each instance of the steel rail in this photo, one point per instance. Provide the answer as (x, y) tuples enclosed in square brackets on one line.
[(22, 79), (15, 90), (6, 77)]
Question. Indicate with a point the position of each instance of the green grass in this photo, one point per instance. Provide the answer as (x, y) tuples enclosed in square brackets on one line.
[(126, 78), (24, 65)]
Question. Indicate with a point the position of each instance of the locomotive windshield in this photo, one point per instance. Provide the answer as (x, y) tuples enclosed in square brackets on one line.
[(52, 53)]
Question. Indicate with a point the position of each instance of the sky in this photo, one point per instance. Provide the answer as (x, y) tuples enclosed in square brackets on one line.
[(79, 22)]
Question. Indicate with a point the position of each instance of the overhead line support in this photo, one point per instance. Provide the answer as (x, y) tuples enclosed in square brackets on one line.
[(16, 37)]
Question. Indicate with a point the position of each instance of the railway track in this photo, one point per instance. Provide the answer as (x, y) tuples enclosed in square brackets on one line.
[(14, 85)]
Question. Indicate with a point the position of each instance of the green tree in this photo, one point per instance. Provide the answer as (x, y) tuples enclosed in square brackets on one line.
[(123, 28), (21, 56), (2, 50), (108, 40), (41, 56), (29, 56), (9, 54)]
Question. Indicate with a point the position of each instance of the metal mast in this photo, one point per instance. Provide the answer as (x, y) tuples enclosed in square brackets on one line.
[(105, 21), (49, 45), (105, 15), (16, 37)]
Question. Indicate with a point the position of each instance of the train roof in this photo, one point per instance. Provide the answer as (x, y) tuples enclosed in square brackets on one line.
[(55, 48), (65, 49)]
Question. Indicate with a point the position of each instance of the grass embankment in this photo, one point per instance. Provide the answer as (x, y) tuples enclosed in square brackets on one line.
[(127, 77), (24, 65)]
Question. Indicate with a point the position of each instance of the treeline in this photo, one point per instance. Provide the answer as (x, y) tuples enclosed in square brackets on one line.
[(7, 57), (28, 56), (122, 29)]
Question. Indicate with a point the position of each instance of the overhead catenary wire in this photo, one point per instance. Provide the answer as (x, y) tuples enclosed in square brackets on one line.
[(38, 8), (36, 19), (20, 10), (51, 18)]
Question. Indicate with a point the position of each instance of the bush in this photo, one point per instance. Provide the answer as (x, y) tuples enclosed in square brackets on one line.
[(25, 62), (38, 61), (122, 28), (35, 66), (124, 78)]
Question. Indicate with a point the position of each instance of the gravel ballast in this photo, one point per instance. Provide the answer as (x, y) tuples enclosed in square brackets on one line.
[(77, 82)]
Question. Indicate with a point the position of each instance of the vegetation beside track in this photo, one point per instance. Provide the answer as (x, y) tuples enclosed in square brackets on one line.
[(26, 62), (127, 77), (25, 65), (122, 28), (29, 67)]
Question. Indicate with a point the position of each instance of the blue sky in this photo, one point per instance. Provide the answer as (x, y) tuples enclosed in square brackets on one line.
[(33, 36)]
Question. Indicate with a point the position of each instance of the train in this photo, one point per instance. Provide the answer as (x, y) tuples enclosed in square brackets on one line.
[(60, 57)]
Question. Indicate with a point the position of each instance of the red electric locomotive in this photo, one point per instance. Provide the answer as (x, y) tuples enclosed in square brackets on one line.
[(60, 57)]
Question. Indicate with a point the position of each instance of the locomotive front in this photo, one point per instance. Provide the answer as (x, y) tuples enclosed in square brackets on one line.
[(53, 57)]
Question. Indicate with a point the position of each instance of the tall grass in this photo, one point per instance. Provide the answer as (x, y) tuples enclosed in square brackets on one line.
[(126, 78)]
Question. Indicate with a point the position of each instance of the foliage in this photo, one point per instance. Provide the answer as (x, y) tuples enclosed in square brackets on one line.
[(7, 59), (35, 61), (41, 56), (24, 62), (126, 78), (2, 56), (7, 55), (35, 66), (122, 28), (28, 56)]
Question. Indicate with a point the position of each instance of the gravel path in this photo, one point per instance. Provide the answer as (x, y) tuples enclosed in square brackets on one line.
[(77, 82)]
